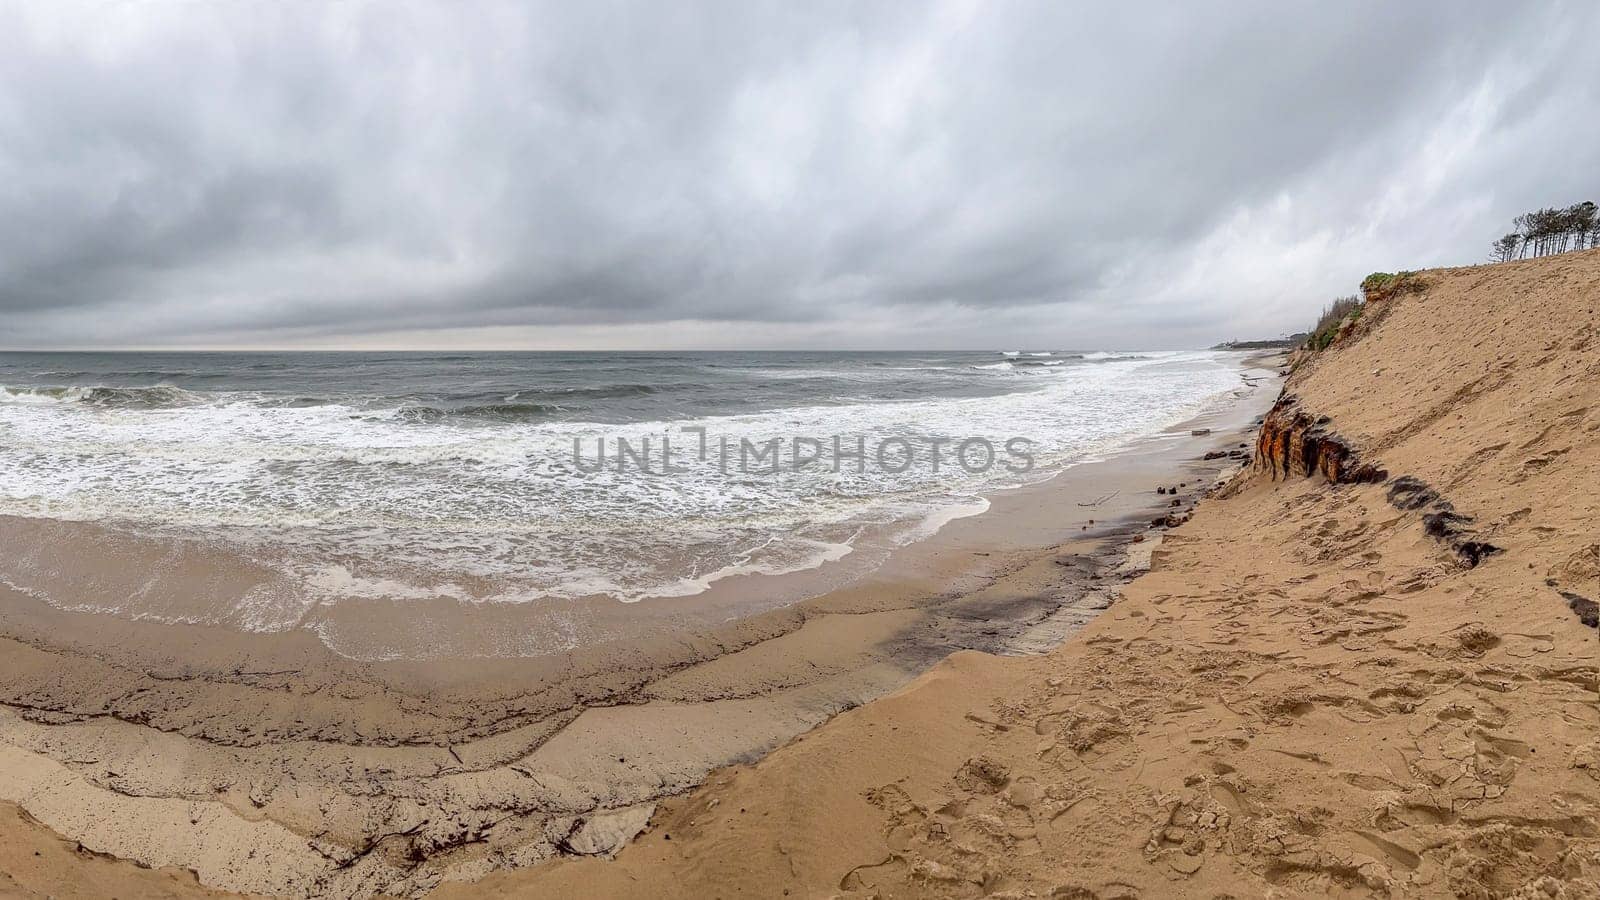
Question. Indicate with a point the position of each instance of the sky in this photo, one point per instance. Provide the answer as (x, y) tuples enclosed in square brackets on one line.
[(743, 174)]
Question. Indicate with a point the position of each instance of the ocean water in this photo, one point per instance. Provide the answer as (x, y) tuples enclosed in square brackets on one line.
[(497, 477)]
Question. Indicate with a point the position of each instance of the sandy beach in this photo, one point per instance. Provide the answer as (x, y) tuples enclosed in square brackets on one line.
[(1319, 686), (266, 763), (1316, 691), (763, 451), (1366, 666)]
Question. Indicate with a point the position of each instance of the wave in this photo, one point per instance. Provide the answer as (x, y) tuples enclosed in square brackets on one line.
[(1012, 365), (1103, 356), (532, 403), (523, 406), (161, 374), (549, 396), (486, 412), (603, 392), (295, 402), (515, 404), (529, 394), (158, 397)]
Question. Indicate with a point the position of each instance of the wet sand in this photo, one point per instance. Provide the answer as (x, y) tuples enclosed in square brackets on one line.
[(267, 763)]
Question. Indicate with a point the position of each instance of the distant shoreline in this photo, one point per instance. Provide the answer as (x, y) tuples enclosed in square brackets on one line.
[(1289, 343)]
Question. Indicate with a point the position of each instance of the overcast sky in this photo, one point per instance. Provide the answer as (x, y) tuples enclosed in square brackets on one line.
[(244, 173)]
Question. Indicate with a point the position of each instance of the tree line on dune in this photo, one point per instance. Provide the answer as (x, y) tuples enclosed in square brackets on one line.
[(1546, 231), (1333, 315), (1539, 233)]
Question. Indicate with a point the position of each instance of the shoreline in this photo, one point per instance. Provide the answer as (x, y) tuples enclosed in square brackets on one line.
[(1316, 690), (113, 568), (367, 776)]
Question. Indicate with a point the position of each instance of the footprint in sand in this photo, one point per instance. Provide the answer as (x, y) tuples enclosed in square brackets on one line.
[(1476, 640), (983, 775), (1402, 814), (1526, 646), (1374, 783), (1390, 851)]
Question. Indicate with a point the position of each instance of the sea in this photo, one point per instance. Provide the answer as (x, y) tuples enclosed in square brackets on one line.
[(518, 477)]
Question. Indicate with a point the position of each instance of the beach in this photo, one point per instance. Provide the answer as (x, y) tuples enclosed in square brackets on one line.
[(268, 762), (840, 451), (1363, 664), (1321, 688)]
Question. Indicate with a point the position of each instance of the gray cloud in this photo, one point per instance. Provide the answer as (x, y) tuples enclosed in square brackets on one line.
[(977, 174)]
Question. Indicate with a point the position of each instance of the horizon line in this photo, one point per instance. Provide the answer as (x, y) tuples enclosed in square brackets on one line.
[(599, 350)]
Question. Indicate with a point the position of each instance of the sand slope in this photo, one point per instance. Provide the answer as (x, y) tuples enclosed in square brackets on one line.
[(1310, 695)]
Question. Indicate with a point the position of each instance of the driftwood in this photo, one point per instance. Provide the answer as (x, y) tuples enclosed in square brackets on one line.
[(1102, 499)]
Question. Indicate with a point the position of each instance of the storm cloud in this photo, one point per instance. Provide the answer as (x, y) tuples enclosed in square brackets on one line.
[(990, 175)]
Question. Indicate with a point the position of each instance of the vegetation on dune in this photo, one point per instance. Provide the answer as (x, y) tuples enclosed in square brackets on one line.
[(1378, 281), (1383, 285), (1342, 314), (1333, 315), (1550, 230)]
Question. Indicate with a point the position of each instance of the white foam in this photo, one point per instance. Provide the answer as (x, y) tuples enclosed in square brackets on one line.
[(935, 521), (357, 503)]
